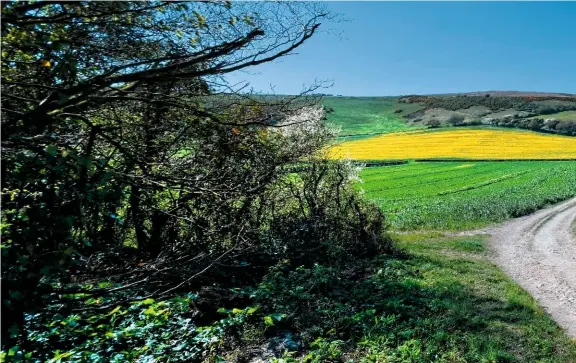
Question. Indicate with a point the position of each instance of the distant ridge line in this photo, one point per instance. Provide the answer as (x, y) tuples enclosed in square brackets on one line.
[(507, 93)]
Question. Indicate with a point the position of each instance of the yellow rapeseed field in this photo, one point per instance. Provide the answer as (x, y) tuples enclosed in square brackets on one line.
[(464, 144)]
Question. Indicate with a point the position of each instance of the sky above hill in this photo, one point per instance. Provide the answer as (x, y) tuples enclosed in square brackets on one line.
[(394, 48)]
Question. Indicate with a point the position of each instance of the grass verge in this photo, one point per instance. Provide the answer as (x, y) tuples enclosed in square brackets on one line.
[(442, 302)]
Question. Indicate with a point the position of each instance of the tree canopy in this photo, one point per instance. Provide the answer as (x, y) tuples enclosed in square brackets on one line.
[(132, 172)]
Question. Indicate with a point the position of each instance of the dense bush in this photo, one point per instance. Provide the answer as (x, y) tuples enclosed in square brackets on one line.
[(535, 106), (566, 127), (434, 123), (535, 124), (493, 103), (531, 106), (455, 120), (132, 176), (561, 127)]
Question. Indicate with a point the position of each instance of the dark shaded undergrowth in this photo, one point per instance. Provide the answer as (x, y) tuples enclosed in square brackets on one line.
[(439, 300), (443, 301)]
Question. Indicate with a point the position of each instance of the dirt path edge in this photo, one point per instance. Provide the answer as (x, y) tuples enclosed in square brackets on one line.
[(539, 252)]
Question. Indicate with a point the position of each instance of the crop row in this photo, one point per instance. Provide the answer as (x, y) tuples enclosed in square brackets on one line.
[(471, 194)]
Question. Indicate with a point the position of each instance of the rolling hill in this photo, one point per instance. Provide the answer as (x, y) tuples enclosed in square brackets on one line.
[(361, 117)]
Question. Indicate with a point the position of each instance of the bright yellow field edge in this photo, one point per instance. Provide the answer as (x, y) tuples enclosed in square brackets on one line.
[(493, 144)]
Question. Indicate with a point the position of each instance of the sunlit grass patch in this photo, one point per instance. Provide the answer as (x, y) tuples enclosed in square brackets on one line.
[(563, 116), (361, 117), (445, 195)]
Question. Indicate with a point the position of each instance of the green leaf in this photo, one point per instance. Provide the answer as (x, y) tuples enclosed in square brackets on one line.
[(253, 310), (85, 161), (237, 311), (268, 321), (116, 309), (248, 20), (277, 316), (148, 301), (51, 150), (13, 350)]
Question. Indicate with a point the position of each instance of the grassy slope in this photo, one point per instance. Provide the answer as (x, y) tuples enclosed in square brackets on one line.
[(361, 117), (461, 195), (364, 116), (566, 115), (445, 302)]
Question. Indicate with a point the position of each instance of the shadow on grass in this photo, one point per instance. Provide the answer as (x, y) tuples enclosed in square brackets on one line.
[(428, 306)]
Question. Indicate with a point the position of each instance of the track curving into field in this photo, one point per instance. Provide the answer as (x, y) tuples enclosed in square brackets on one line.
[(539, 252)]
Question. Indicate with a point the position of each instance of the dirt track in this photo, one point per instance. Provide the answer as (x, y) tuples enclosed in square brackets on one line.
[(539, 252)]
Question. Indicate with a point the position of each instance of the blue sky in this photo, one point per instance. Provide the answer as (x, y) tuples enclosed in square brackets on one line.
[(393, 48)]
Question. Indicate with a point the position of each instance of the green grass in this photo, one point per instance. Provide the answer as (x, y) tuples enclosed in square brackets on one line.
[(360, 117), (562, 116), (444, 301), (464, 195), (468, 310)]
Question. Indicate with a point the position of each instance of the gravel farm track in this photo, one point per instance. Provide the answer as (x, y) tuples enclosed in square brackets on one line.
[(539, 252)]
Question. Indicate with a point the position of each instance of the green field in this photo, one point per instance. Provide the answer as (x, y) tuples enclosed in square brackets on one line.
[(359, 117), (562, 116), (461, 195)]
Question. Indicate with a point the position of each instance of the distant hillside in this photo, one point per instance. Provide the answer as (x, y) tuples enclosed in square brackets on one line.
[(546, 112), (361, 117), (509, 94)]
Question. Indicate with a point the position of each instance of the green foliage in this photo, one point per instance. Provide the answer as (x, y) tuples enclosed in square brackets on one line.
[(562, 126), (434, 124), (493, 103), (128, 177), (144, 331), (310, 205), (461, 195), (497, 103), (444, 302), (455, 120)]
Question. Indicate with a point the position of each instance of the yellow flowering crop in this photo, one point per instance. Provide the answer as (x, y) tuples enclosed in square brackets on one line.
[(461, 143)]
